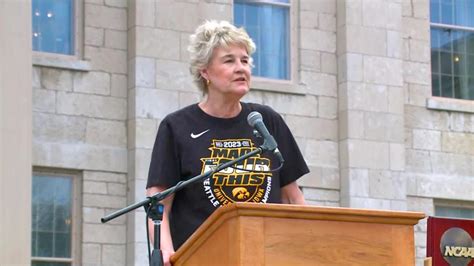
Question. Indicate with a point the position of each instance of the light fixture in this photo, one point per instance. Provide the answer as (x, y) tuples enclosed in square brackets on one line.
[(456, 58)]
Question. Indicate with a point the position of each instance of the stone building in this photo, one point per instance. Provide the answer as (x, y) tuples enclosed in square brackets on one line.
[(379, 123)]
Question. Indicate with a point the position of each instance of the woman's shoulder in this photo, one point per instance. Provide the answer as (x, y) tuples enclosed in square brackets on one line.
[(265, 110), (180, 113), (258, 107)]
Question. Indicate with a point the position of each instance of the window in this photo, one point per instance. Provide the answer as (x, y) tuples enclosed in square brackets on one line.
[(54, 220), (454, 212), (452, 48), (53, 26), (268, 24)]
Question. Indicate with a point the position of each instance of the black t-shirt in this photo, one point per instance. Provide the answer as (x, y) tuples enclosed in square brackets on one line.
[(190, 142)]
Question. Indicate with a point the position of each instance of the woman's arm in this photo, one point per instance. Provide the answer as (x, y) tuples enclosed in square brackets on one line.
[(166, 243), (291, 194)]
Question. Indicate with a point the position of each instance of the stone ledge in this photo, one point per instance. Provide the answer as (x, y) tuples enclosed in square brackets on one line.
[(273, 85), (439, 186), (79, 156), (60, 61), (450, 104)]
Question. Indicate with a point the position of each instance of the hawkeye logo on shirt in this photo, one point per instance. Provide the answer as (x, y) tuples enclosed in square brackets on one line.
[(245, 182)]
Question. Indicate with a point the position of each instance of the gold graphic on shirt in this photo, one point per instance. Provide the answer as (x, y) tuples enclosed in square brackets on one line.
[(248, 181), (240, 193)]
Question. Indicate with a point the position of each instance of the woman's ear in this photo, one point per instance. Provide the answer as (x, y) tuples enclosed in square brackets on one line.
[(204, 73)]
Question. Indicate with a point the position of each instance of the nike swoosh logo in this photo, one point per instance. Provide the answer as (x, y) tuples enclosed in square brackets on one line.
[(195, 136)]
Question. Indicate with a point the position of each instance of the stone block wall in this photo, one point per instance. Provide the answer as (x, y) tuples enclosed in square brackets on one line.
[(439, 143), (357, 108), (312, 117), (370, 97), (79, 123)]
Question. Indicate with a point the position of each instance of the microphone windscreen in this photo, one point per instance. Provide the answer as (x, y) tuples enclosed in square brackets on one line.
[(253, 117)]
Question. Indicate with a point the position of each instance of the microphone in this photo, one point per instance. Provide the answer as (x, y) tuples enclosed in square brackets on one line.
[(255, 120)]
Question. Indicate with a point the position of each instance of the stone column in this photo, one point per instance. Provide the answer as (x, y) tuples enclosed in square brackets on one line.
[(15, 132), (141, 124), (371, 104)]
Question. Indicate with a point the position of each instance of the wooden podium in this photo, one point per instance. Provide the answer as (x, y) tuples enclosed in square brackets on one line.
[(280, 234)]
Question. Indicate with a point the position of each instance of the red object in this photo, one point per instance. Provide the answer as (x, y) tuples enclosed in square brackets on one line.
[(450, 241)]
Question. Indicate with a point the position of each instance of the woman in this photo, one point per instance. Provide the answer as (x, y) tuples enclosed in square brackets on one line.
[(198, 137)]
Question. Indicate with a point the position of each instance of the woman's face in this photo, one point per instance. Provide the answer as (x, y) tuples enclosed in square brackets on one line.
[(228, 71)]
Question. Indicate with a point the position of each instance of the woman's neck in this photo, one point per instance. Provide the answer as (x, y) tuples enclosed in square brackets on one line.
[(220, 109)]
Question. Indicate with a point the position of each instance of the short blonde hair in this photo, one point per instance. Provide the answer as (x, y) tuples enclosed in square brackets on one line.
[(210, 35)]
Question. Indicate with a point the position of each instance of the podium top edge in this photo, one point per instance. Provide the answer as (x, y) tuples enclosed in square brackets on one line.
[(311, 211)]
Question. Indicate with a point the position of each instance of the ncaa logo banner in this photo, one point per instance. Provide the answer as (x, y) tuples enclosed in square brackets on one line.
[(450, 241)]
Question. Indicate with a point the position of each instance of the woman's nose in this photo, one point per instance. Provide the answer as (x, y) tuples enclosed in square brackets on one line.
[(239, 67)]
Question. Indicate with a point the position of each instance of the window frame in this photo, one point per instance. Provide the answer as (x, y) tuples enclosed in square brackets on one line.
[(439, 102), (452, 204), (74, 61), (76, 232), (276, 85)]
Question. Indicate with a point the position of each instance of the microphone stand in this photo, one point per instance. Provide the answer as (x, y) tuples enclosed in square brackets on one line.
[(152, 202), (155, 212)]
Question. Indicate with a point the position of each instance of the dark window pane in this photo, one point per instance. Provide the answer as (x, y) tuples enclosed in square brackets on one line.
[(470, 65), (268, 25), (435, 83), (456, 63), (461, 88), (45, 217), (52, 216), (62, 221), (446, 40), (45, 244), (446, 63), (459, 14), (447, 86), (48, 263), (238, 8), (452, 12), (457, 87), (459, 63), (467, 92), (470, 42), (62, 245), (435, 11), (470, 88), (446, 12), (435, 37), (252, 16), (459, 42), (442, 211), (273, 42), (470, 13), (34, 218), (468, 213), (52, 25), (463, 13), (34, 245), (42, 194), (454, 212), (435, 61)]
